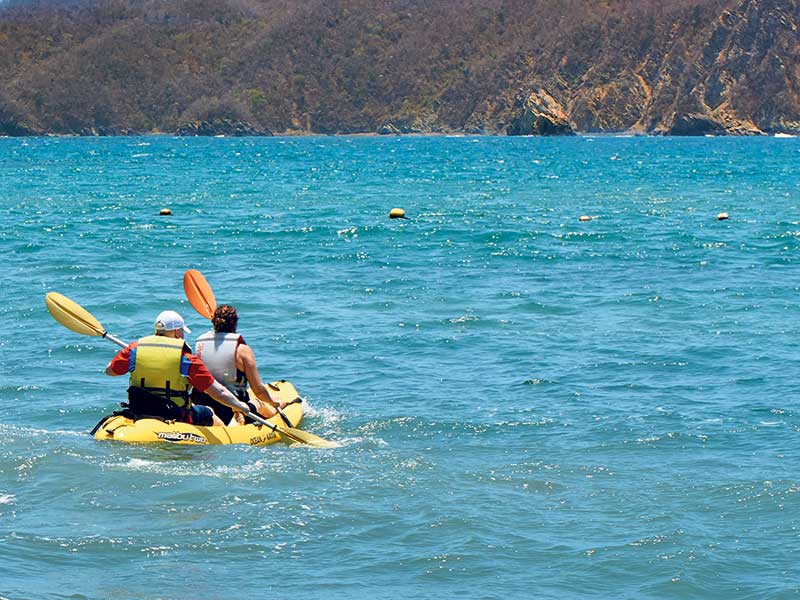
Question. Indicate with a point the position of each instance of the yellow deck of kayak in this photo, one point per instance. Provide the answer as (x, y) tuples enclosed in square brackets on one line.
[(123, 429)]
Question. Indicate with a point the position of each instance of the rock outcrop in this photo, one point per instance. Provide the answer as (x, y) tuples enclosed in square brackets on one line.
[(694, 125), (538, 113), (228, 127), (389, 129)]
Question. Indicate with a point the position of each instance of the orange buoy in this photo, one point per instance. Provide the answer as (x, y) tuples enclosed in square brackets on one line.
[(722, 216), (164, 212)]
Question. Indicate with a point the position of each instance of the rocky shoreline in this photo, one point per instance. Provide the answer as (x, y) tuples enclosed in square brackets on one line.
[(535, 116), (529, 123)]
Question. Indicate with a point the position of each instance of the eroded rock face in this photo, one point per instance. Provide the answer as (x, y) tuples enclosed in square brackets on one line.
[(538, 113), (737, 80), (388, 129), (617, 105), (694, 125), (735, 74)]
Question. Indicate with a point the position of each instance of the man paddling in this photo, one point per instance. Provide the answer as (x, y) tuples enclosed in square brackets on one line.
[(163, 371), (233, 364)]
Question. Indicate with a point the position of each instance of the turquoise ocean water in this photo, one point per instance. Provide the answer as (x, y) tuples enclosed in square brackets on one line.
[(529, 406)]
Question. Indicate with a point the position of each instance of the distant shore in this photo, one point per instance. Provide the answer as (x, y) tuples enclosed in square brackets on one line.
[(301, 134)]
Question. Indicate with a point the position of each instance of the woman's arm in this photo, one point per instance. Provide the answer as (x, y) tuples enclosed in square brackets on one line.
[(246, 361)]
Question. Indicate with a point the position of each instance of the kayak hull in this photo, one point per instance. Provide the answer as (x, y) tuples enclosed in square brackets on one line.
[(121, 428)]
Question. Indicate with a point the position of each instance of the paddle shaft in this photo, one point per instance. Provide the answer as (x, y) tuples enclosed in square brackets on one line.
[(259, 419), (276, 429), (116, 340), (283, 414)]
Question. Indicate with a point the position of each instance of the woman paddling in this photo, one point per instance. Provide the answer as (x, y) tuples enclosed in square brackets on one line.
[(233, 364)]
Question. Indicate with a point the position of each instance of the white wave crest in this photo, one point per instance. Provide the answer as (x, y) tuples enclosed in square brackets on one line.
[(328, 416)]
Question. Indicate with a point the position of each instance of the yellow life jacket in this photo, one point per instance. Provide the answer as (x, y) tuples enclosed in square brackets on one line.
[(157, 364)]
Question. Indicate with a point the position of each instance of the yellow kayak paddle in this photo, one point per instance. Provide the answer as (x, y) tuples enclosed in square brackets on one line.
[(73, 316)]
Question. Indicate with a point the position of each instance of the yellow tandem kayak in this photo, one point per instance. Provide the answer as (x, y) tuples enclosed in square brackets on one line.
[(121, 428)]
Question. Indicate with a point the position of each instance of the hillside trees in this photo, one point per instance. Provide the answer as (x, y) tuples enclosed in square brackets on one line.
[(338, 66)]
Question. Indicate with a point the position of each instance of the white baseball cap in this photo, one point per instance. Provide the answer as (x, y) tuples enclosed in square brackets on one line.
[(169, 320)]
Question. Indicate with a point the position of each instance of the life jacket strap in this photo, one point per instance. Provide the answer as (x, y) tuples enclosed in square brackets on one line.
[(168, 393)]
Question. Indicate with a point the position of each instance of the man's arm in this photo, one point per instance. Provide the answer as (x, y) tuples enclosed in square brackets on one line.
[(222, 394), (119, 364), (203, 381)]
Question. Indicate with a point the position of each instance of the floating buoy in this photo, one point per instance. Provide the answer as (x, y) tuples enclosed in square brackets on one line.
[(722, 216), (165, 211), (397, 213), (584, 218)]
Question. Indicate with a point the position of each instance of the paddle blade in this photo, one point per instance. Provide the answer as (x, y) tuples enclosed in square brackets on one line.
[(72, 315), (199, 293), (290, 435), (303, 437)]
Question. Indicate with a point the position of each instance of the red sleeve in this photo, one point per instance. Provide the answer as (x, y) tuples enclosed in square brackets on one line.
[(199, 376), (119, 364)]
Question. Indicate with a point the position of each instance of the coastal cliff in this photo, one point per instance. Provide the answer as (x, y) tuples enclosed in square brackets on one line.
[(514, 67)]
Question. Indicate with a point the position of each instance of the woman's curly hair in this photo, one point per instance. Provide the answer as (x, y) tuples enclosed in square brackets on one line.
[(225, 319)]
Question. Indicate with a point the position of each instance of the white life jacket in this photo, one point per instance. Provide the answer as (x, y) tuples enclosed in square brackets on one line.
[(218, 353)]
